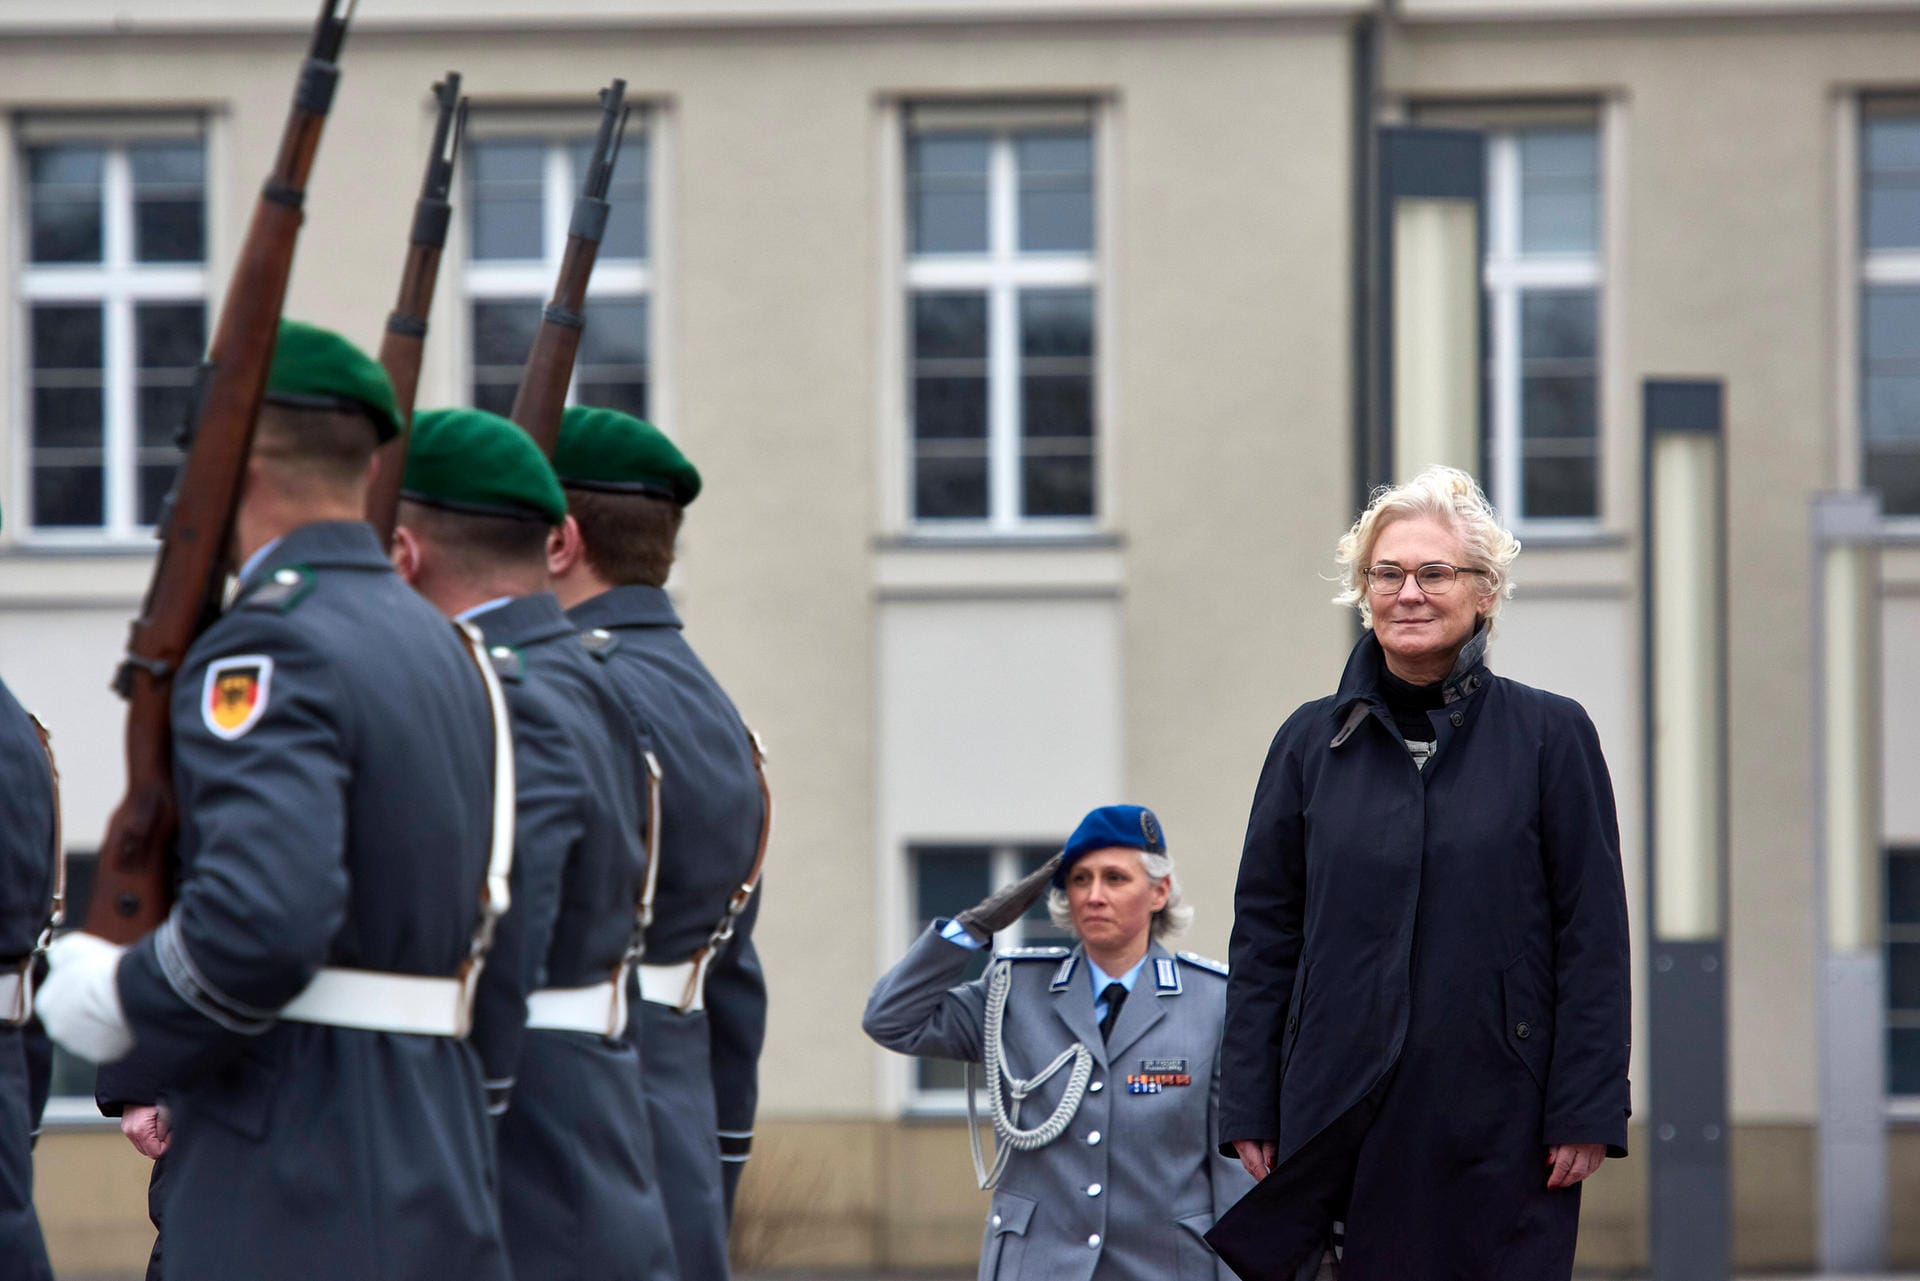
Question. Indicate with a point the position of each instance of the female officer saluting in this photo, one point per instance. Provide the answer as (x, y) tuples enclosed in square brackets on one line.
[(1101, 1063)]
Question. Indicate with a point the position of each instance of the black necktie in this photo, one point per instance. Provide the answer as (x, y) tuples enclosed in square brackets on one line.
[(1115, 996)]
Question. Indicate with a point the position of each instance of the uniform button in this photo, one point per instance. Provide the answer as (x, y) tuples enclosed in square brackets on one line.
[(996, 1220), (1093, 1189), (1093, 1242), (1523, 1029), (1457, 718), (287, 577), (1093, 1140), (1096, 1087)]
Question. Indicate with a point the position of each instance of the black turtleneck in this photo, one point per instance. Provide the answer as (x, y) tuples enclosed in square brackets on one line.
[(1409, 704)]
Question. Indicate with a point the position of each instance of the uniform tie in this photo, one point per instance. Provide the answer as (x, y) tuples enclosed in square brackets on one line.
[(1115, 996)]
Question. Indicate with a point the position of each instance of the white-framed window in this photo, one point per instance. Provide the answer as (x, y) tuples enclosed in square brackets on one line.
[(521, 181), (1002, 278), (112, 307), (946, 878), (1890, 304), (1544, 272), (1903, 972)]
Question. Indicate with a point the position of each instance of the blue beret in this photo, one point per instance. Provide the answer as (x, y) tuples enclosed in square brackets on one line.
[(1130, 826)]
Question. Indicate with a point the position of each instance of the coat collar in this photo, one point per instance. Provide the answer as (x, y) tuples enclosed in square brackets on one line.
[(1359, 691), (336, 544), (525, 620), (1073, 1003), (625, 607)]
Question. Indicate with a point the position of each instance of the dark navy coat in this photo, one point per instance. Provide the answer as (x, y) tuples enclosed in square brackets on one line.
[(1429, 979), (348, 824), (26, 889), (579, 1196), (701, 1068)]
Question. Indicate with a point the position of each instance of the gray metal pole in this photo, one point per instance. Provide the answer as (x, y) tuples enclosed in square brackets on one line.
[(1852, 994), (1685, 672)]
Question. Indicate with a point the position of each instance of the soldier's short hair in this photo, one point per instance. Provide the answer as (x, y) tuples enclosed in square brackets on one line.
[(315, 449), (629, 538), (472, 544)]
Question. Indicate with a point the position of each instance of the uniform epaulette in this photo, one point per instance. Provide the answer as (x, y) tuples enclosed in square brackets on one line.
[(1203, 962), (600, 642), (1032, 954), (508, 664), (284, 589)]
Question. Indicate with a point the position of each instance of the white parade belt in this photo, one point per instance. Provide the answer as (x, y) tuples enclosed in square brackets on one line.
[(667, 984), (599, 1009), (375, 1002), (16, 995)]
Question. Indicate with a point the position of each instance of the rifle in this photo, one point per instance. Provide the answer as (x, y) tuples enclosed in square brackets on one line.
[(132, 888), (406, 337), (543, 386)]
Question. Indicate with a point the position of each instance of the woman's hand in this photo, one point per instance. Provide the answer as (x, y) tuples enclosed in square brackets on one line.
[(145, 1126), (1573, 1162), (1257, 1155)]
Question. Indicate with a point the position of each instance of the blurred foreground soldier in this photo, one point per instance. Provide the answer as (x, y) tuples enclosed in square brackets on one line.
[(703, 1008), (1427, 1022), (336, 746), (30, 861), (1110, 1175), (579, 1200)]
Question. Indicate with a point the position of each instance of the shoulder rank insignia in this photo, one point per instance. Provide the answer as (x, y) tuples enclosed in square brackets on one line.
[(282, 590), (508, 664), (1031, 954), (600, 642), (1203, 962), (235, 694)]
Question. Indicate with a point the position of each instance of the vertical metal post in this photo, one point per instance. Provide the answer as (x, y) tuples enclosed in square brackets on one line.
[(1847, 843), (1685, 670)]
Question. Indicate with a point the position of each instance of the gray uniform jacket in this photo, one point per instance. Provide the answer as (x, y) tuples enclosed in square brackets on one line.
[(26, 888), (579, 1196), (1127, 1191), (701, 1068), (339, 815)]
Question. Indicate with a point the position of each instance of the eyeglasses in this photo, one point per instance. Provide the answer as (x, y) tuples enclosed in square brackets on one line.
[(1435, 579)]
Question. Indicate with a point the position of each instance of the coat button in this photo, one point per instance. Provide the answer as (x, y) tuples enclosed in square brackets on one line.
[(1093, 1189), (1093, 1140), (1096, 1087), (1093, 1242), (1523, 1029), (996, 1220), (1458, 718)]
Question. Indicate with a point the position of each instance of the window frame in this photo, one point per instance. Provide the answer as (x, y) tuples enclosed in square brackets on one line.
[(1002, 273), (1507, 276), (1871, 268), (117, 283)]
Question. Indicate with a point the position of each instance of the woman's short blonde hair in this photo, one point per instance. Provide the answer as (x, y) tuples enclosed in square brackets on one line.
[(1172, 919), (1445, 494)]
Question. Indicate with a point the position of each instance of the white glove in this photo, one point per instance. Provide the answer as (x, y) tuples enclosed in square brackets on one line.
[(80, 1001)]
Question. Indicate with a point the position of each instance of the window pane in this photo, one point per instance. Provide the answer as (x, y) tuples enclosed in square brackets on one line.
[(947, 879), (1056, 322), (65, 497), (950, 486), (627, 231), (1559, 191), (1056, 191), (1890, 395), (949, 326), (1891, 203), (1894, 470), (1903, 976), (506, 182), (1560, 486), (1559, 402), (950, 367), (612, 366), (64, 214), (68, 401), (1903, 887), (168, 339), (169, 201), (1056, 401), (1903, 1065), (1038, 926), (1057, 484), (947, 193), (503, 332)]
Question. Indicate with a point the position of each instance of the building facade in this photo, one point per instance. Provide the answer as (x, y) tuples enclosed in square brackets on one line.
[(1023, 346)]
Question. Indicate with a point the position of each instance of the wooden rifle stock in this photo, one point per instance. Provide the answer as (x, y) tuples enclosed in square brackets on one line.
[(406, 337), (133, 886), (543, 385)]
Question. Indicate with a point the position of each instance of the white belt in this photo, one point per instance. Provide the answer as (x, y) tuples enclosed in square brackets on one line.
[(667, 985), (375, 1002), (600, 1009), (16, 998)]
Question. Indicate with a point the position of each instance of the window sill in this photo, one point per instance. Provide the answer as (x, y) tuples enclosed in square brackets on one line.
[(40, 576), (1059, 566)]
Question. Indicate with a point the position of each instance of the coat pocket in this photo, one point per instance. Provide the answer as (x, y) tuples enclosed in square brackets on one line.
[(1528, 1029), (1003, 1251), (1197, 1259), (1290, 1033)]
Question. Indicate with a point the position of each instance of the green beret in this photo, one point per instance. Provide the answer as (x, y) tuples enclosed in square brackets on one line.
[(468, 460), (315, 368), (608, 450)]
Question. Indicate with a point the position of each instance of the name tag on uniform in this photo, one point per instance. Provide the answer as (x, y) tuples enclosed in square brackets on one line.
[(1156, 1075)]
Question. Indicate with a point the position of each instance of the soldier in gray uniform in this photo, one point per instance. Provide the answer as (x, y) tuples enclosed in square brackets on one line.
[(702, 1011), (336, 750), (29, 859), (1106, 1171), (579, 1199)]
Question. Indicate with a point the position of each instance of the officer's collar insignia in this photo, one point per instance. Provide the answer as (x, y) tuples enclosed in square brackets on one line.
[(235, 694), (508, 664), (280, 590), (1166, 975), (1064, 975), (600, 642)]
